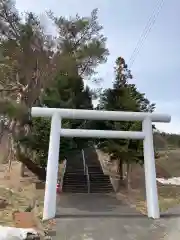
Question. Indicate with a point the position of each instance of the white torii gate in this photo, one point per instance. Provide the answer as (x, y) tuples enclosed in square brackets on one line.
[(54, 144)]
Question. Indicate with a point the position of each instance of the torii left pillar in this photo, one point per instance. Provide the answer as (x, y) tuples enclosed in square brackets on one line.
[(52, 168)]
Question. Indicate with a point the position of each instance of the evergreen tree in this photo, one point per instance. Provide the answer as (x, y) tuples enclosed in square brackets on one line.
[(67, 92), (123, 96), (70, 92)]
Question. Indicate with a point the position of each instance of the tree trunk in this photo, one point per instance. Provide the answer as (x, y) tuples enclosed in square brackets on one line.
[(23, 157), (120, 170), (33, 167), (22, 169), (128, 176)]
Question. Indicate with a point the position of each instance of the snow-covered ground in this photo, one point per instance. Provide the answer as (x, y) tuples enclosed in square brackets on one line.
[(8, 233), (169, 181)]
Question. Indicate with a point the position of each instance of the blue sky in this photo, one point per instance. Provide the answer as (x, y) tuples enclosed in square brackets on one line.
[(156, 68)]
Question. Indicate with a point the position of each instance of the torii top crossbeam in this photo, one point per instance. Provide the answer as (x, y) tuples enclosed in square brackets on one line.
[(100, 115)]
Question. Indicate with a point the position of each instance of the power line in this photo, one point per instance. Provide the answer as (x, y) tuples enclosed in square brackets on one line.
[(146, 31)]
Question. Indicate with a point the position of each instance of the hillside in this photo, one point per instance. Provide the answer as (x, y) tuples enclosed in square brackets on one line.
[(164, 141)]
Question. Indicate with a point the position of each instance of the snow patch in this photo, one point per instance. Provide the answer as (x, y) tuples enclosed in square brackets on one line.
[(169, 181), (7, 233)]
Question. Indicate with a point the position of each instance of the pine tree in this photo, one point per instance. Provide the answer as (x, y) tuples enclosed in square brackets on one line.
[(65, 93), (123, 96)]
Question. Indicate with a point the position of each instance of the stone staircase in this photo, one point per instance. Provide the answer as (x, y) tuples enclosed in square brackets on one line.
[(75, 180), (75, 183), (99, 182)]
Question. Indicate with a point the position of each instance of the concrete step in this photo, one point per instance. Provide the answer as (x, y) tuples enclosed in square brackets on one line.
[(74, 175), (75, 186), (75, 189), (100, 184), (101, 190), (97, 176), (67, 179), (75, 183), (73, 170)]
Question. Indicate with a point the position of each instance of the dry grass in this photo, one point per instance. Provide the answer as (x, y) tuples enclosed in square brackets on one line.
[(17, 201), (170, 161), (169, 195), (19, 193)]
